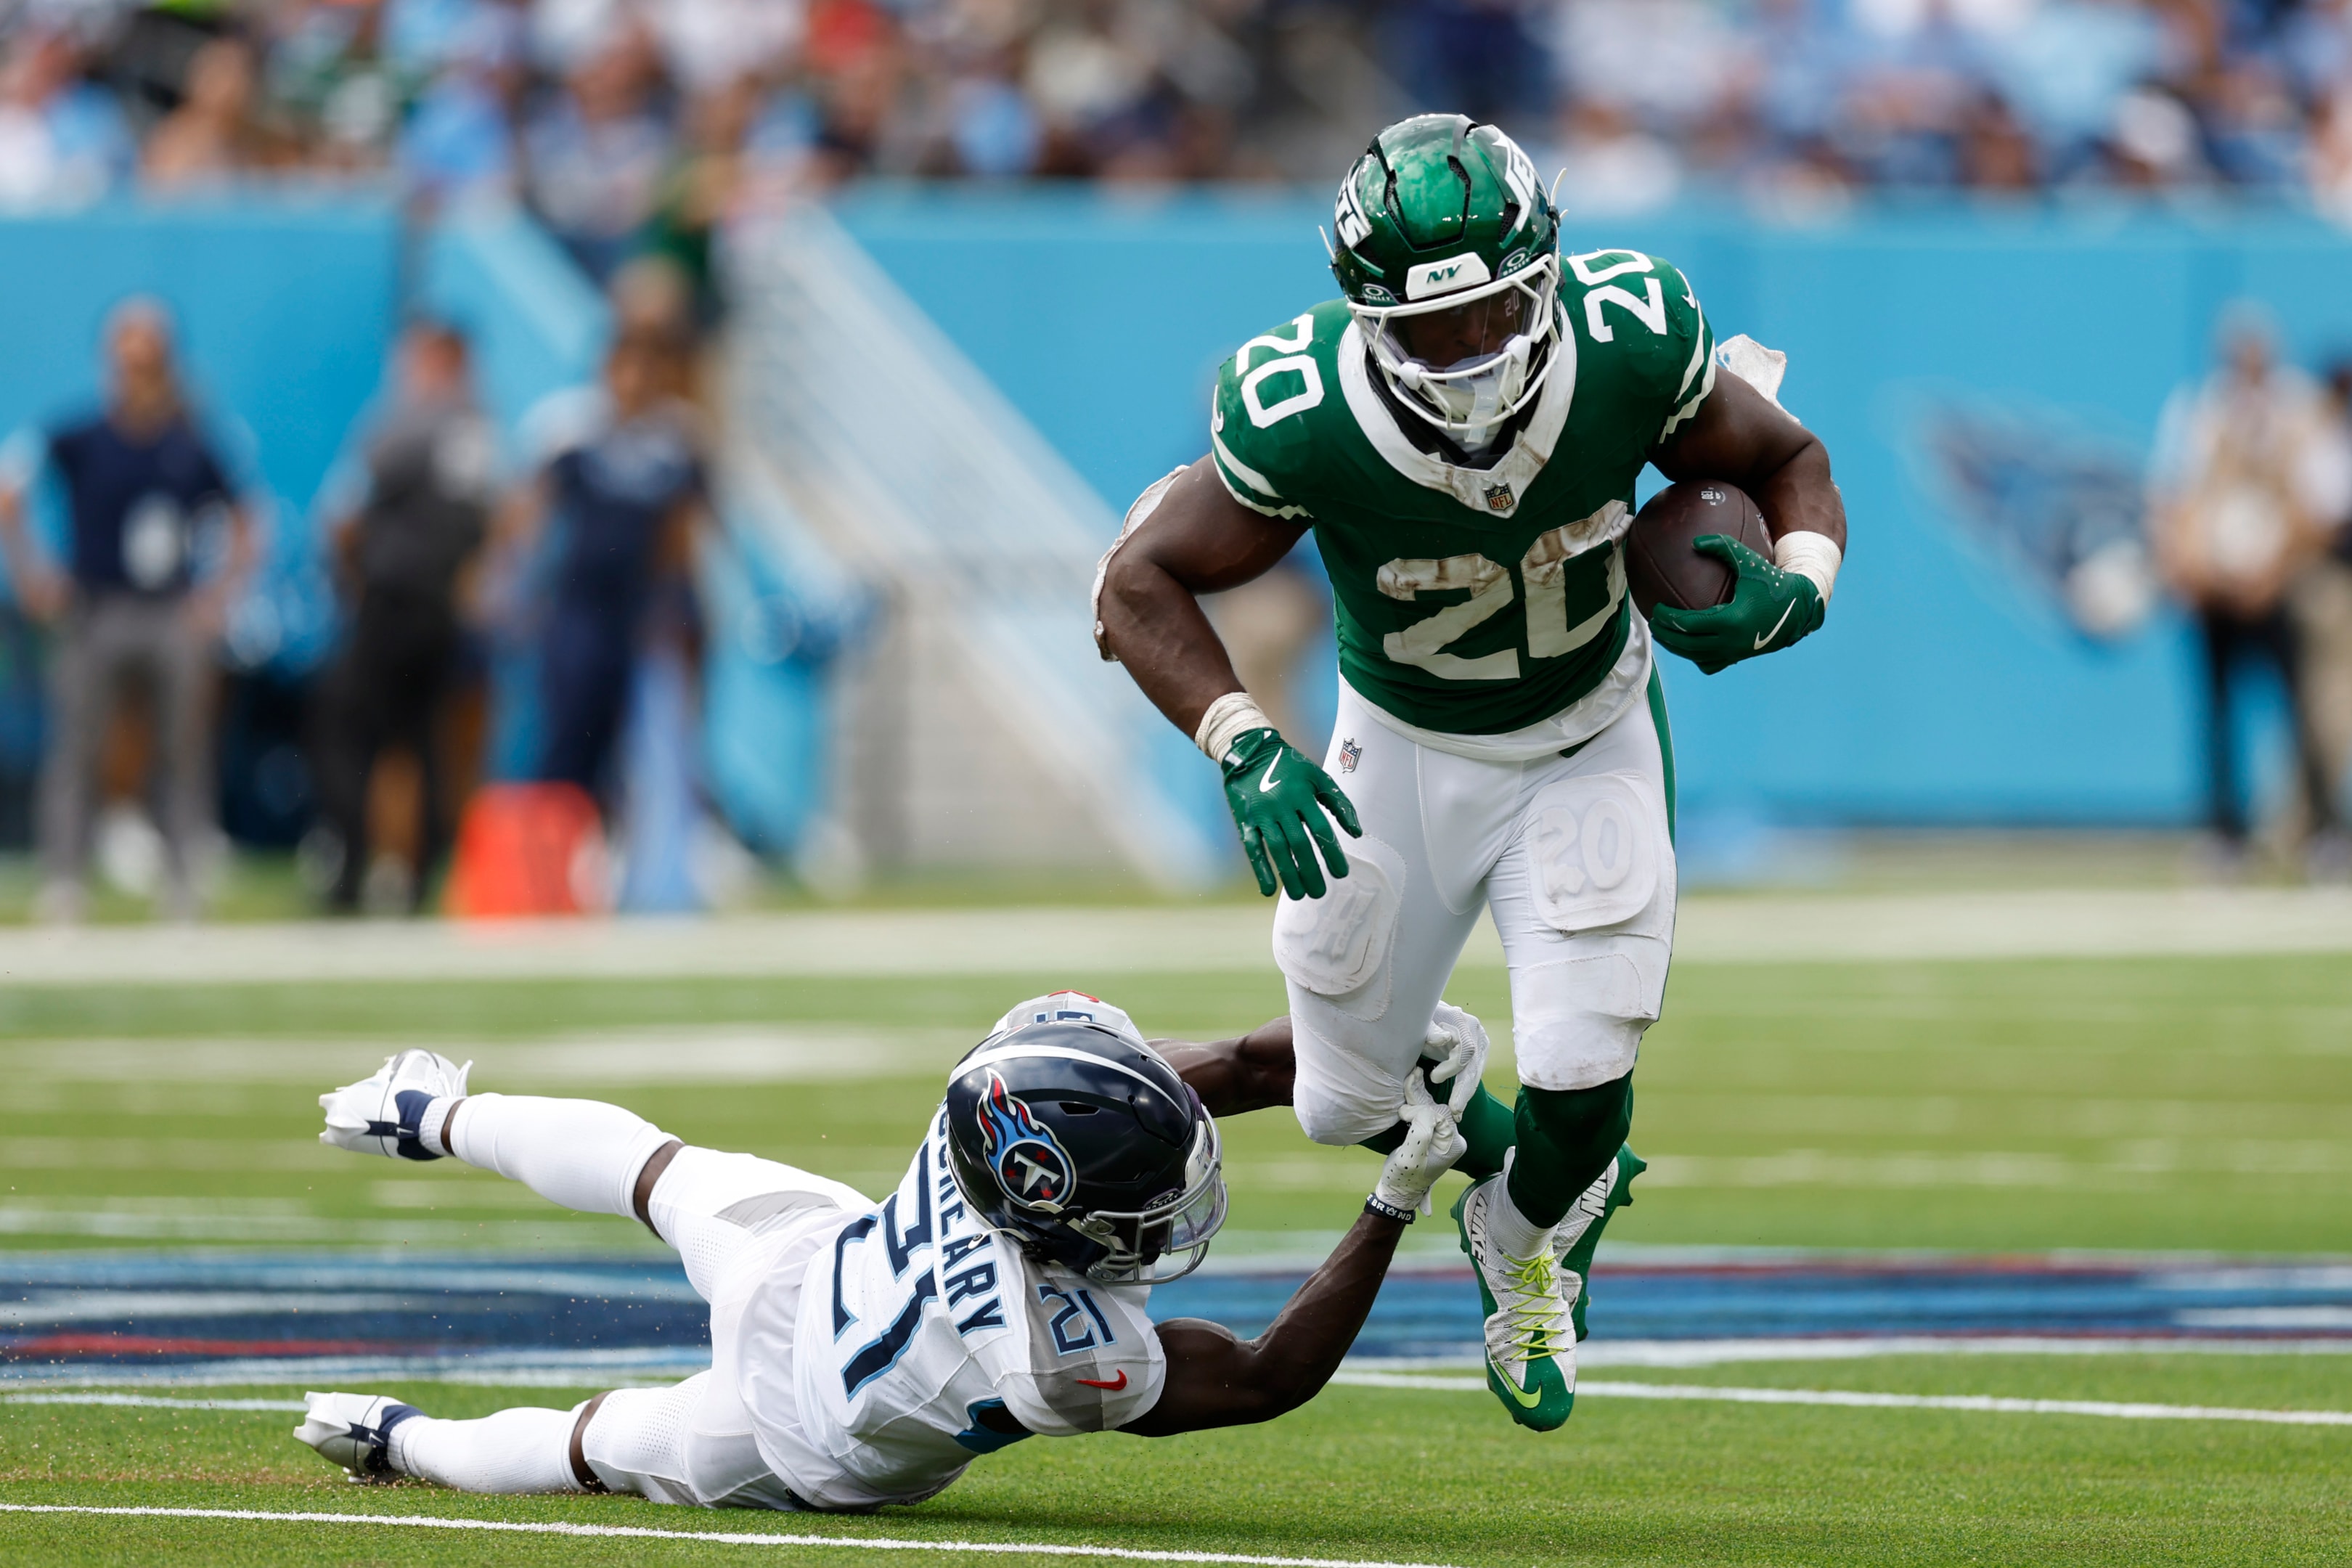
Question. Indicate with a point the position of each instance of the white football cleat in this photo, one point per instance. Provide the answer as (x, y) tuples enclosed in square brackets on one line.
[(1530, 1336), (378, 1115), (354, 1430)]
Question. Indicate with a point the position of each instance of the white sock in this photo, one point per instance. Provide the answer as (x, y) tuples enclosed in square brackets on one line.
[(582, 1154), (1514, 1233), (433, 1127), (514, 1452)]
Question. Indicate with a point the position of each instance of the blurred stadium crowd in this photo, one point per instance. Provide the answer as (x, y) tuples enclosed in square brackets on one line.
[(629, 123)]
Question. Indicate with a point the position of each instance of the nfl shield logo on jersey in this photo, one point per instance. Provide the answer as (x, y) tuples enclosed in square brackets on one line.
[(1351, 754), (1499, 497), (1036, 1171)]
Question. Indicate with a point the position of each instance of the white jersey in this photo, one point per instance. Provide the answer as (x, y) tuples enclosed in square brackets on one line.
[(880, 1368)]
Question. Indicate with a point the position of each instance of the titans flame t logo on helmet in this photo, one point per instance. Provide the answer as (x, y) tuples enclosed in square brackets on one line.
[(1030, 1163)]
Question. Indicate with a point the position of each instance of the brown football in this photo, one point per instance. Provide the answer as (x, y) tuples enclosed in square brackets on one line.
[(1662, 568)]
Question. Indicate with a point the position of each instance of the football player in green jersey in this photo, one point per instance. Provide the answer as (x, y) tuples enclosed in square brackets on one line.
[(1463, 431)]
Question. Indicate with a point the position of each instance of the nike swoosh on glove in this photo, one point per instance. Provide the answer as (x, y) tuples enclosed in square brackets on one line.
[(1278, 800), (1768, 610)]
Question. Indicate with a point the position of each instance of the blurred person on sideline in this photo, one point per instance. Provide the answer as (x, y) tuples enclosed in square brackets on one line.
[(141, 484), (216, 133), (2320, 602), (2251, 478), (617, 498), (402, 550)]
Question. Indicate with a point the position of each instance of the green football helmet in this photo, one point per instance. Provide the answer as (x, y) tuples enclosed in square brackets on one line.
[(1449, 256)]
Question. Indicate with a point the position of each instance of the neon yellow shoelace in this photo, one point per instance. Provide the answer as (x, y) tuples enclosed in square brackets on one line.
[(1531, 1325)]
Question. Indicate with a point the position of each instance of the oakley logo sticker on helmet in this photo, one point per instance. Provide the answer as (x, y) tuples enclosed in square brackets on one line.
[(1036, 1171)]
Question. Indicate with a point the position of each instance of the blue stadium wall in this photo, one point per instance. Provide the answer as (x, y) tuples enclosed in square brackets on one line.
[(1946, 689)]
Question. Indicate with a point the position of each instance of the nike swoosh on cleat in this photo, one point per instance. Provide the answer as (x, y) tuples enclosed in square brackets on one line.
[(1768, 637), (1114, 1385), (1528, 1398), (1266, 782)]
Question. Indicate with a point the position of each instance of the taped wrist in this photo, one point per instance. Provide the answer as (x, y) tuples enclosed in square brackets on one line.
[(1813, 556), (1228, 719)]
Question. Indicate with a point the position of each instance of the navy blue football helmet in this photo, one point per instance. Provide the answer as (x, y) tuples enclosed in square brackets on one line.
[(1070, 1134)]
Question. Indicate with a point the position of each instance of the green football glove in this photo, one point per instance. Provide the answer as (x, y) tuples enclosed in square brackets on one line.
[(1278, 799), (1768, 609)]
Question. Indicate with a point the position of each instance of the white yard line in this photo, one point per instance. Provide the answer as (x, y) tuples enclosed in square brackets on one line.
[(151, 1401), (660, 1368), (1857, 1399), (1366, 1379), (1071, 945), (728, 1538)]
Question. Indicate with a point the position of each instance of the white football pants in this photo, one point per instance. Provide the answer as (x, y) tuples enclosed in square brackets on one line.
[(732, 1217), (1572, 854)]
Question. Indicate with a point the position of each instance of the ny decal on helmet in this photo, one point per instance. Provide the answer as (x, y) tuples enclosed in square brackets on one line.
[(1036, 1171)]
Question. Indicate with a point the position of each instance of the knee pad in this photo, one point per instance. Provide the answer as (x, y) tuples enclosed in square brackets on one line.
[(1337, 946), (1337, 1095), (1577, 1022), (1340, 1120), (1598, 853)]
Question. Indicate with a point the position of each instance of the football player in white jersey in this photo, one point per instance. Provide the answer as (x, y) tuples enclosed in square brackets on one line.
[(866, 1354)]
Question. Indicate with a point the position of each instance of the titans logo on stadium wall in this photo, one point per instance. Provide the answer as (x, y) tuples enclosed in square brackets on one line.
[(1036, 1171)]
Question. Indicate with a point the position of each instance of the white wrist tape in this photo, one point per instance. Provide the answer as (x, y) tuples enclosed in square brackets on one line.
[(1809, 554), (1229, 718)]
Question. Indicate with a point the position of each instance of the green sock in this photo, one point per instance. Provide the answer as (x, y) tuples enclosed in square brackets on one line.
[(1567, 1137), (1491, 1129), (1487, 1125)]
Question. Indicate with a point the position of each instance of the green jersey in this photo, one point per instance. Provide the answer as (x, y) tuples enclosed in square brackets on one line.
[(1472, 601)]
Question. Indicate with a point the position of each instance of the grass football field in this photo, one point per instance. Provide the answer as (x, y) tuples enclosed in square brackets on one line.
[(2173, 1105)]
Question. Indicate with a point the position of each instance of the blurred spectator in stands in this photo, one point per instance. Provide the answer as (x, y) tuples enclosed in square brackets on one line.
[(61, 139), (596, 151), (2254, 125), (142, 490), (326, 73), (1479, 58), (2328, 161), (1918, 75), (2153, 142), (710, 45), (421, 513), (215, 135), (458, 142), (616, 502), (2252, 477), (1610, 166), (856, 64), (1996, 153), (708, 185)]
